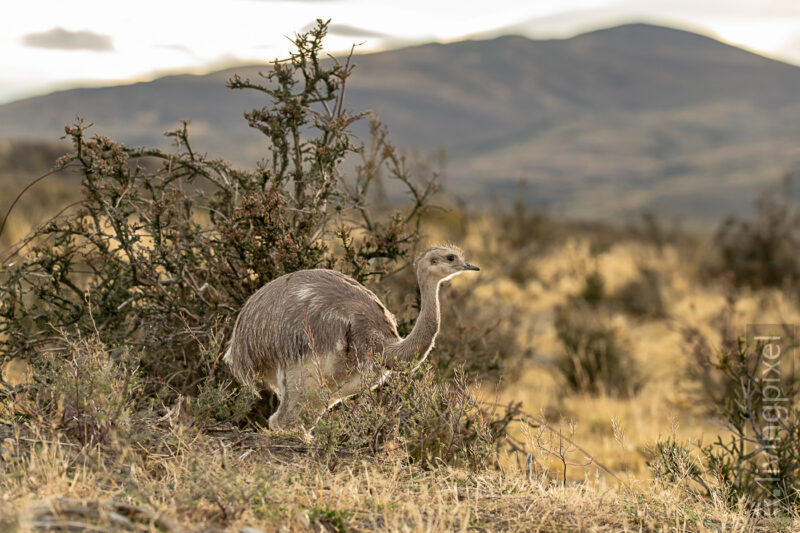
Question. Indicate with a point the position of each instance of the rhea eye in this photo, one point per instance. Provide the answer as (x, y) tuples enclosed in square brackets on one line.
[(451, 258)]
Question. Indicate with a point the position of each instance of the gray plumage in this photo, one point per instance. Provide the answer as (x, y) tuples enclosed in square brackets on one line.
[(317, 336)]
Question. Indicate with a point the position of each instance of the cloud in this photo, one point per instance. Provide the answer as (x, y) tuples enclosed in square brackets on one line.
[(61, 39), (344, 30)]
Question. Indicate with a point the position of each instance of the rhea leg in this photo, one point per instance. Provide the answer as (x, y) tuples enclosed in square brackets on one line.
[(355, 383), (300, 394)]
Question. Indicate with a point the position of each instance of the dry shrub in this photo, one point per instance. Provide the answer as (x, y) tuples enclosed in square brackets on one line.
[(480, 339), (760, 251), (596, 359), (594, 288), (525, 226), (478, 336), (415, 416), (643, 296), (28, 156), (217, 396)]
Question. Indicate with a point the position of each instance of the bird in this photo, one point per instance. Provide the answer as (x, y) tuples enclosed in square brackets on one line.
[(316, 337)]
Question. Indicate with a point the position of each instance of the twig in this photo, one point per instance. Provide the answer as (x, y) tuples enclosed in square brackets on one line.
[(31, 184), (527, 419)]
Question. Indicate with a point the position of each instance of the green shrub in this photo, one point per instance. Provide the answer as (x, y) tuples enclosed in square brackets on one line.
[(671, 462), (758, 437), (329, 518)]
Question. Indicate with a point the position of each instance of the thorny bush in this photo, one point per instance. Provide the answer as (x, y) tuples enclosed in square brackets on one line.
[(164, 248)]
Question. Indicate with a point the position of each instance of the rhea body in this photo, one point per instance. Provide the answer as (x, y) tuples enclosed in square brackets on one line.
[(318, 336)]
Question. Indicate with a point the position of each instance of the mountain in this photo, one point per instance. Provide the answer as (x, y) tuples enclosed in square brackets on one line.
[(601, 125)]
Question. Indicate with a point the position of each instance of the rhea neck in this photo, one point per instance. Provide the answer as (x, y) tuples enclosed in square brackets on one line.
[(420, 341)]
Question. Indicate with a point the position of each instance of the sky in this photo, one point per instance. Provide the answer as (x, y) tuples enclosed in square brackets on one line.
[(49, 45)]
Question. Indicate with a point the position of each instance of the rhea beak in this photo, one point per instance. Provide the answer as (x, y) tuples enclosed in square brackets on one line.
[(470, 267)]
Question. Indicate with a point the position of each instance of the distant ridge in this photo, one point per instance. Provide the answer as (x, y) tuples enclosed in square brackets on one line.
[(601, 125)]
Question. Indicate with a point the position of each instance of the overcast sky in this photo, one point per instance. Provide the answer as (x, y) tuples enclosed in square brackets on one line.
[(45, 45)]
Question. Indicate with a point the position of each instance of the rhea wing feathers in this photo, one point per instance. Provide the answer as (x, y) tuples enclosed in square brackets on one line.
[(310, 312)]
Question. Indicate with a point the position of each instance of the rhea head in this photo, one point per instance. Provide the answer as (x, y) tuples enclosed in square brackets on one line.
[(441, 263)]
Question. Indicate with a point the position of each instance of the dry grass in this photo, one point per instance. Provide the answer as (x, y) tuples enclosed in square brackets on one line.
[(219, 477)]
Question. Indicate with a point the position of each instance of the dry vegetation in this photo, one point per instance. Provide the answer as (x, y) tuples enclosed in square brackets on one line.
[(215, 480), (572, 388), (198, 470)]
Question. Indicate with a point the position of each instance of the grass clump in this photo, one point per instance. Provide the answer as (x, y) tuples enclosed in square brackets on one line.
[(89, 390)]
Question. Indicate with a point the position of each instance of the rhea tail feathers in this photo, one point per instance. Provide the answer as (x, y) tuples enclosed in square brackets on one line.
[(242, 374)]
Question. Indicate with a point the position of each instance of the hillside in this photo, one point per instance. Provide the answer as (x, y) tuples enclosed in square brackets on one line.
[(602, 125)]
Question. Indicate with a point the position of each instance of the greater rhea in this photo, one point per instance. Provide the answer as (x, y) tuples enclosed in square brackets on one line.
[(318, 336)]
